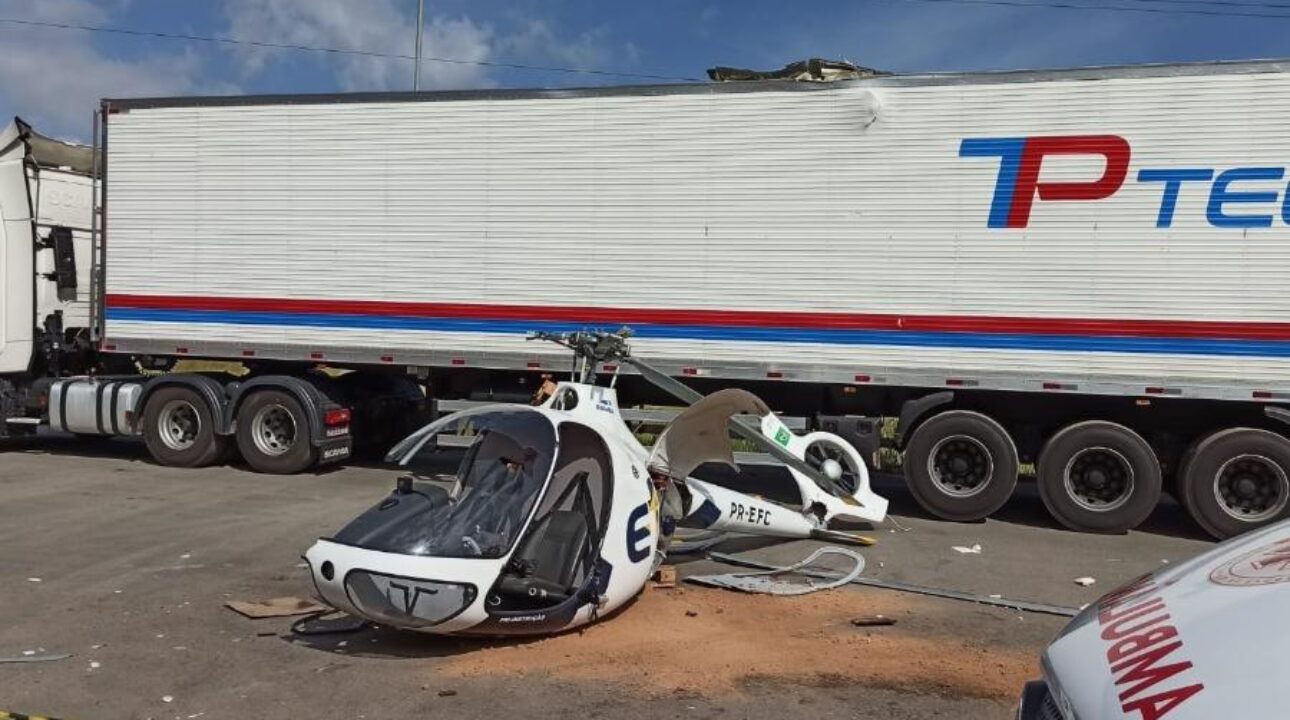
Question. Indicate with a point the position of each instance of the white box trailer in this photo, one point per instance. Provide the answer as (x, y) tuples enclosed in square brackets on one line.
[(1082, 268)]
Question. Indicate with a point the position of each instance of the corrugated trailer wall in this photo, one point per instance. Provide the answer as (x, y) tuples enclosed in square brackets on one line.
[(822, 232)]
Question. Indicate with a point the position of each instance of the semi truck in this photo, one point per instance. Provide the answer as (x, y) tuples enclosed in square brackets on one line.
[(1075, 276)]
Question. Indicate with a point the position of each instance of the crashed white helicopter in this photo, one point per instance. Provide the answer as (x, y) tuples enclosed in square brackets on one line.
[(557, 515)]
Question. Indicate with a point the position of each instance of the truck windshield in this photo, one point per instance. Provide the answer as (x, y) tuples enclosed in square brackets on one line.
[(501, 475)]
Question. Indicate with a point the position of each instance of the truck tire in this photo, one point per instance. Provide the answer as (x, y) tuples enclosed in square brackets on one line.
[(961, 465), (179, 428), (273, 433), (1237, 480), (1097, 476)]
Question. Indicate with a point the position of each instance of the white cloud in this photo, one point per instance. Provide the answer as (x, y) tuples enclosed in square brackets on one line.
[(535, 41), (55, 78), (380, 26), (463, 45)]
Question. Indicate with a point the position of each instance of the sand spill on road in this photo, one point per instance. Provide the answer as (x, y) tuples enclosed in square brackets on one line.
[(734, 639)]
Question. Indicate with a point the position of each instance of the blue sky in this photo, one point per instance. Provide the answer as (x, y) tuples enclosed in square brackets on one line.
[(53, 78)]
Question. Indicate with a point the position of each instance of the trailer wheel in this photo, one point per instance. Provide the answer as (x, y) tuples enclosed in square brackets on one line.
[(179, 429), (1237, 480), (961, 465), (1097, 476), (273, 433)]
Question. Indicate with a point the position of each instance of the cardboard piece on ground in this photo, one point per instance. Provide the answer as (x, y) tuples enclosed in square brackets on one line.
[(274, 607), (665, 577)]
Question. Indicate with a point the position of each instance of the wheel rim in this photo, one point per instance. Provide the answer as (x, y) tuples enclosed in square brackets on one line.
[(1251, 488), (960, 465), (1099, 479), (178, 425), (273, 429)]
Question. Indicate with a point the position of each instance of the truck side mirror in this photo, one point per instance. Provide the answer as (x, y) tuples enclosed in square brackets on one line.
[(64, 275)]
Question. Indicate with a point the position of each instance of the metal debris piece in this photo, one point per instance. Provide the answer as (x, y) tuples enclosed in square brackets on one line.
[(813, 70), (328, 622), (24, 658), (1084, 581), (688, 543), (918, 589), (873, 621), (770, 580), (974, 550)]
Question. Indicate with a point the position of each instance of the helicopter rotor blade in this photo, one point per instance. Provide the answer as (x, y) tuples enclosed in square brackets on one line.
[(664, 381)]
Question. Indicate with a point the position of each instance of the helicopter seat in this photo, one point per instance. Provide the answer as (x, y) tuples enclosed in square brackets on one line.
[(550, 557)]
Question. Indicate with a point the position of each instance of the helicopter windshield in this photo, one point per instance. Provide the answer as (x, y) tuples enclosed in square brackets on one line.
[(492, 493)]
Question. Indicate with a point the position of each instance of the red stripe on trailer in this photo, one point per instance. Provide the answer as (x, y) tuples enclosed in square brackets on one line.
[(863, 378), (1087, 327)]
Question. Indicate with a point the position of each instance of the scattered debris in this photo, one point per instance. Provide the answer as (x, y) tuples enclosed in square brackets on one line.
[(1084, 581), (274, 607), (34, 579), (692, 613), (910, 588), (95, 665), (974, 550), (267, 633), (167, 698), (873, 621), (768, 580), (447, 693), (665, 577), (185, 556)]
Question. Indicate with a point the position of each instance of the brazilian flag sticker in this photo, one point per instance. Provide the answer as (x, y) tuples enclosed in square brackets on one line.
[(782, 437)]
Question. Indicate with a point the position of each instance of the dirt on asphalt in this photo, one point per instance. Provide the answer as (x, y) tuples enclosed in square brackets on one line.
[(715, 642)]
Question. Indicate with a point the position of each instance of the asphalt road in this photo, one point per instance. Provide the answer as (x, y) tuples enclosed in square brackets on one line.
[(126, 566)]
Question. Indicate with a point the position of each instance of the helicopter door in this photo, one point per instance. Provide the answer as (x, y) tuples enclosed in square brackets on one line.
[(556, 556)]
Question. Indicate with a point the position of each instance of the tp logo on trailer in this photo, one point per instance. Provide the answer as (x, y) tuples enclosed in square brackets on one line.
[(1019, 162), (1021, 158)]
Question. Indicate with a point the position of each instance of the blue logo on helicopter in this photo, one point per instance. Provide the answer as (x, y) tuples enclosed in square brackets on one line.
[(637, 548)]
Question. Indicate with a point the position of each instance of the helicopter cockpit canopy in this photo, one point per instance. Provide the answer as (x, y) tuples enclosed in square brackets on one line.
[(480, 510)]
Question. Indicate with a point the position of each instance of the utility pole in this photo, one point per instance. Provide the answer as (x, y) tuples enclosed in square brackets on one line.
[(416, 71)]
